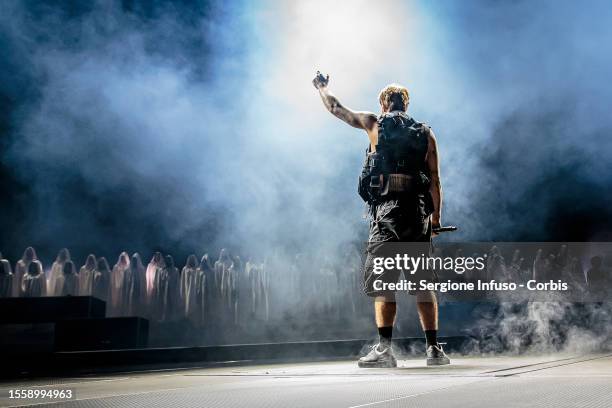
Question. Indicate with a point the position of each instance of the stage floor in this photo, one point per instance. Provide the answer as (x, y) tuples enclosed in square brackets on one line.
[(526, 381)]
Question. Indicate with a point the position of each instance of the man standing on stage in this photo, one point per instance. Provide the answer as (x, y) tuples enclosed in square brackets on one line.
[(400, 182)]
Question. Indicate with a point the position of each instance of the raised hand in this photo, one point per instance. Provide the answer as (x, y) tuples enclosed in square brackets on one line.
[(320, 80)]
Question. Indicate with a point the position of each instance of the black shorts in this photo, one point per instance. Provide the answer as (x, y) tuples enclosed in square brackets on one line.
[(395, 221)]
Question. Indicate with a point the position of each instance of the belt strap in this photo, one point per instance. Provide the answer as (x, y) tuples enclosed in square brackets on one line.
[(400, 183)]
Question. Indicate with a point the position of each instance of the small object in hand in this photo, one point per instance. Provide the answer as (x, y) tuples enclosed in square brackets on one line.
[(449, 228), (320, 80)]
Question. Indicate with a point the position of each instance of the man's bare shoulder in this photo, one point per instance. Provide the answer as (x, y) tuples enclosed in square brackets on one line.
[(426, 129), (369, 121)]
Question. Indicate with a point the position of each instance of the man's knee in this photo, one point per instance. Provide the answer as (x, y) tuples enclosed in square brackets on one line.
[(387, 297), (426, 296)]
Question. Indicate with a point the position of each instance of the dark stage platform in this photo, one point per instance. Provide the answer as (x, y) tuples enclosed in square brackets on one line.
[(494, 382), (38, 326), (50, 309)]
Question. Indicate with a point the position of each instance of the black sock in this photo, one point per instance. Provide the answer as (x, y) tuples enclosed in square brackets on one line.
[(384, 335), (431, 336)]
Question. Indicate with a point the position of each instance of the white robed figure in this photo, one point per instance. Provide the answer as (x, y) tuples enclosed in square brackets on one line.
[(101, 281), (207, 296), (34, 283), (166, 292), (221, 265), (155, 266), (222, 285), (134, 287), (259, 293), (86, 276), (6, 278), (21, 268), (67, 284), (117, 285), (57, 269), (188, 289)]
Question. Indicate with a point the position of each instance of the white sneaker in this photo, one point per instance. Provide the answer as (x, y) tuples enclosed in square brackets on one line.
[(378, 358), (436, 356)]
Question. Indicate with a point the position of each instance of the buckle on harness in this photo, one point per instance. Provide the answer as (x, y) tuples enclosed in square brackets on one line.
[(376, 181)]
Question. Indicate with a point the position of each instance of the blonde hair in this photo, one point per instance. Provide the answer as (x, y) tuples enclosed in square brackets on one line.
[(394, 95)]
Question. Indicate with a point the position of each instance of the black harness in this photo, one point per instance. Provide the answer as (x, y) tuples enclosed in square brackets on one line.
[(397, 168)]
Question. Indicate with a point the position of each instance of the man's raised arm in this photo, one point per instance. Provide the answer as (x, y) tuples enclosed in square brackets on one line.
[(359, 120)]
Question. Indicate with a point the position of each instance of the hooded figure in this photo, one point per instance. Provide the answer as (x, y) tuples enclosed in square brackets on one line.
[(6, 278), (134, 287), (244, 293), (543, 267), (259, 295), (86, 276), (155, 266), (206, 292), (222, 266), (67, 284), (21, 268), (101, 280), (117, 284), (229, 287), (188, 289), (223, 263), (166, 292), (56, 271), (34, 283), (575, 274)]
